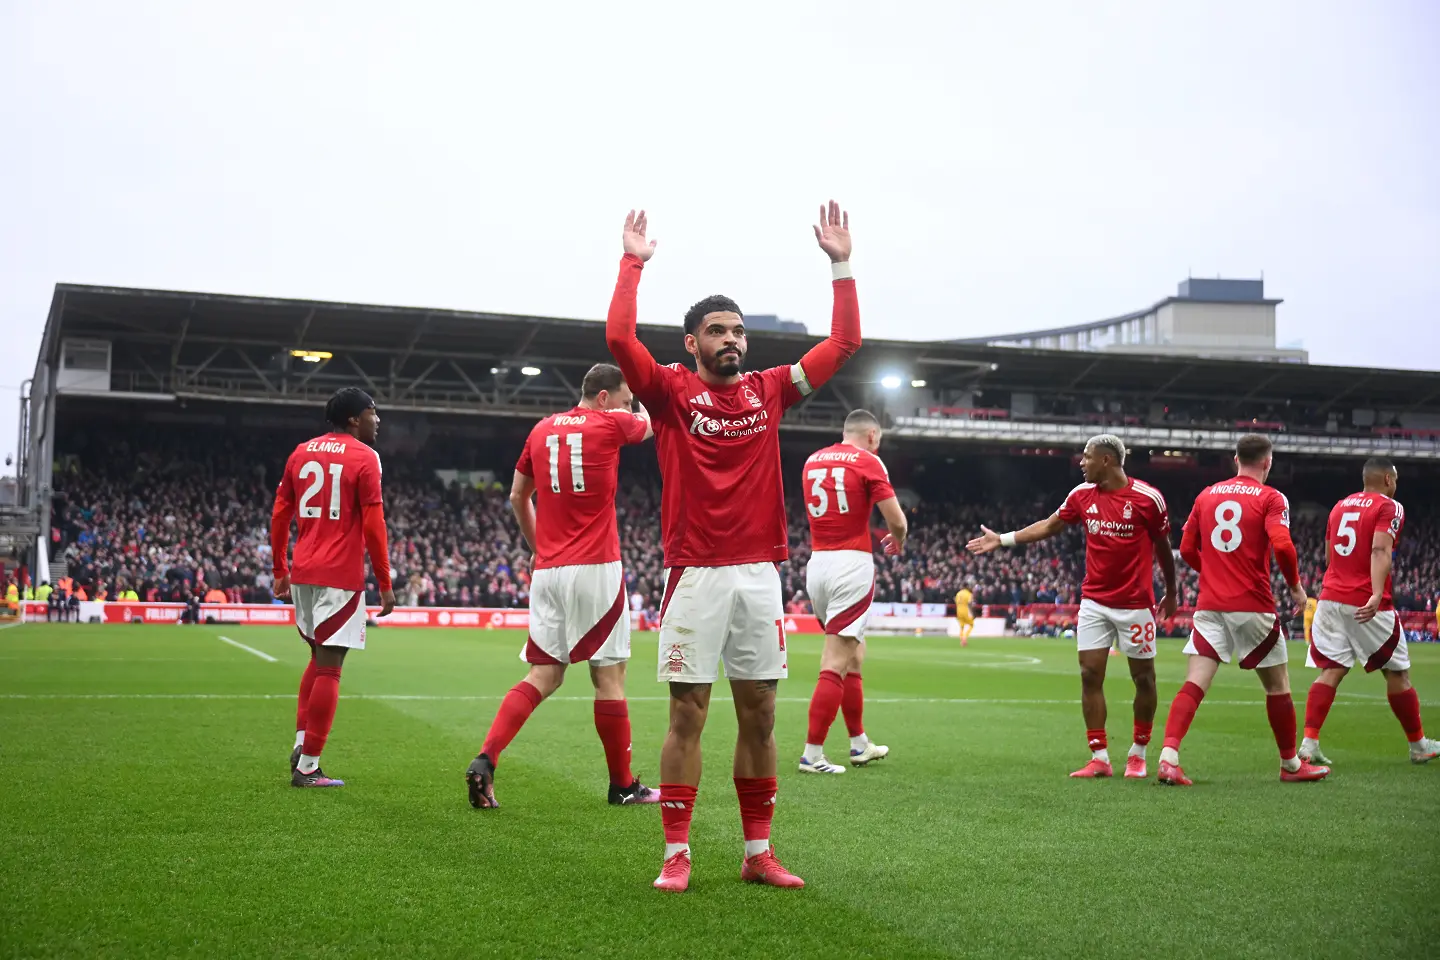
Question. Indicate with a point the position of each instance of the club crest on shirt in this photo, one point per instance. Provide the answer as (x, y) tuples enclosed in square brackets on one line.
[(751, 397), (1093, 526), (1128, 512)]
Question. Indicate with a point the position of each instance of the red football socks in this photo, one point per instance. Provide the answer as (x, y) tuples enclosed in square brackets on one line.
[(757, 805), (1407, 710), (1317, 708), (1142, 733), (1280, 708), (824, 704), (677, 806), (1182, 713), (307, 683), (514, 710), (1096, 739), (320, 711), (612, 722), (854, 704)]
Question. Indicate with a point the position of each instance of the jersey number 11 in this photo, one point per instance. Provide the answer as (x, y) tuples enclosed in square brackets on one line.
[(577, 463)]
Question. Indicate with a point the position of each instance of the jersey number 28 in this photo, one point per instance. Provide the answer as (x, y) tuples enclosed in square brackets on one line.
[(822, 499)]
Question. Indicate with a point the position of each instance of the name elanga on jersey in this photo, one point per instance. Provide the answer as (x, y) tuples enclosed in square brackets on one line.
[(325, 446)]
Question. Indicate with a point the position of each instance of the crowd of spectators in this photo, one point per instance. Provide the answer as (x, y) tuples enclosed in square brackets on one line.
[(171, 522)]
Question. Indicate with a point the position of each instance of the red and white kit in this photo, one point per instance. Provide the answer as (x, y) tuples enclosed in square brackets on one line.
[(577, 591), (331, 487), (1228, 538), (1118, 594), (1336, 640), (842, 484), (722, 510)]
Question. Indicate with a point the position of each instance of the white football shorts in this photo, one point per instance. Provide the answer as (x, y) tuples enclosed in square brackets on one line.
[(841, 585), (1336, 640), (1132, 632), (329, 616), (730, 613), (577, 613), (1257, 639)]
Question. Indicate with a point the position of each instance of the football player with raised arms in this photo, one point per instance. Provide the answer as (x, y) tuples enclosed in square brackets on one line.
[(1126, 525), (578, 614), (843, 485), (722, 521)]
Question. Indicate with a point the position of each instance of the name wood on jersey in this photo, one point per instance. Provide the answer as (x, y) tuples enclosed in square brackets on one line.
[(566, 421)]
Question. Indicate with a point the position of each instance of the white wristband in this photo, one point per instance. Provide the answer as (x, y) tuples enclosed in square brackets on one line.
[(1007, 539), (841, 271)]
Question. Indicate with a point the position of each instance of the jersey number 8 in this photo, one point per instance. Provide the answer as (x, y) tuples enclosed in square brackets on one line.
[(1226, 536)]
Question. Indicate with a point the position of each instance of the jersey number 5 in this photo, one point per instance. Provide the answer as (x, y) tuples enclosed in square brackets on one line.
[(1346, 530), (822, 499), (577, 462), (313, 468)]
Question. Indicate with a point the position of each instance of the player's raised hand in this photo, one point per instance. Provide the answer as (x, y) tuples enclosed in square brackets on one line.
[(1367, 613), (833, 232), (387, 602), (987, 541), (635, 242), (282, 588)]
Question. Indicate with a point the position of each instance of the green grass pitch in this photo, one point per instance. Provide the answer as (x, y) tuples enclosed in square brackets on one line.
[(145, 811)]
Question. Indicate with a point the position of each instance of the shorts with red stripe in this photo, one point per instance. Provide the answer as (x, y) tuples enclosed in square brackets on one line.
[(578, 614), (841, 585), (1255, 639), (732, 614), (329, 616), (1336, 640)]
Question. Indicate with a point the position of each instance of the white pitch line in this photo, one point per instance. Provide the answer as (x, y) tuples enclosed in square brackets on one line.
[(7, 626), (963, 701), (261, 654)]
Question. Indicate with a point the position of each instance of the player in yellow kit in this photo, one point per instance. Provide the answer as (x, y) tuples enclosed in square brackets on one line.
[(963, 616)]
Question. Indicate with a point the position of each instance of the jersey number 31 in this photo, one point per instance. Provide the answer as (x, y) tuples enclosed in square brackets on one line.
[(822, 499)]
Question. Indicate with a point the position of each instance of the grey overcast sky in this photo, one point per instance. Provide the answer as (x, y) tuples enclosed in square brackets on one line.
[(1007, 166)]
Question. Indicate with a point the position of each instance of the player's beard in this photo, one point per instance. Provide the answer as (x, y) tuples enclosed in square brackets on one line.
[(726, 363)]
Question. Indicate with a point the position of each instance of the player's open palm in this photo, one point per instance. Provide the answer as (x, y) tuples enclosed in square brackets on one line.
[(636, 243), (833, 232), (987, 541)]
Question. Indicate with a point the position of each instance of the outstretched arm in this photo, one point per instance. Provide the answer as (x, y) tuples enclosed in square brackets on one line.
[(1042, 530), (1165, 555), (280, 518), (826, 358), (640, 369)]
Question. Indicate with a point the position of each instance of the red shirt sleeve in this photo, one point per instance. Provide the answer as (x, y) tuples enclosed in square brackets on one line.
[(1190, 540), (879, 481), (1070, 510), (642, 373), (825, 358), (526, 465), (632, 428), (280, 519), (1390, 518), (377, 542), (367, 483), (1159, 515)]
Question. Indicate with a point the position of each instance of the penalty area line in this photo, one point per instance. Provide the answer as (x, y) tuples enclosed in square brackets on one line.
[(259, 653)]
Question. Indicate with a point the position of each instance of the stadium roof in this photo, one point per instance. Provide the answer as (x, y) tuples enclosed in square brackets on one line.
[(238, 347), (1102, 324)]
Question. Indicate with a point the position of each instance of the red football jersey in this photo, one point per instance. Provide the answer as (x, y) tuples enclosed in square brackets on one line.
[(1232, 521), (574, 458), (1119, 527), (842, 484), (1353, 524), (723, 498), (329, 479)]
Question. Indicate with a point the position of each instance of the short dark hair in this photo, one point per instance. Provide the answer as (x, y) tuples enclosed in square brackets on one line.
[(1252, 449), (602, 376), (860, 420), (346, 404), (712, 304), (1379, 465)]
